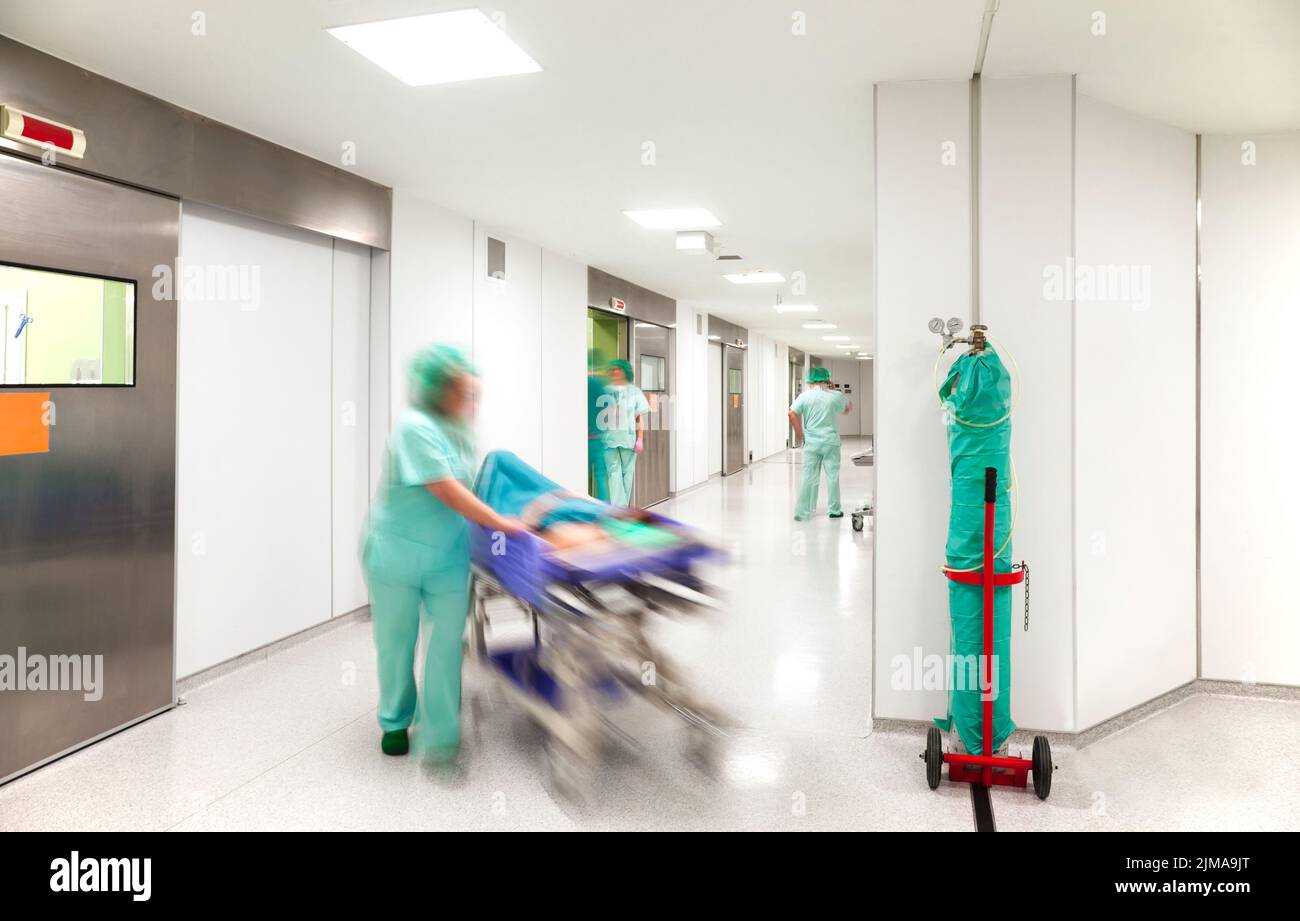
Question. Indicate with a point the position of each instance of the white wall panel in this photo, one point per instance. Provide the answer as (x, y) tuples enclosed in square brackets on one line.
[(1250, 494), (508, 348), (1135, 386), (253, 471), (922, 268), (1027, 216), (431, 285), (563, 386), (691, 396), (351, 420)]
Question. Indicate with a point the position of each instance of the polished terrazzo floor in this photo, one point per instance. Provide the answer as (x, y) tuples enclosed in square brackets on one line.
[(290, 742)]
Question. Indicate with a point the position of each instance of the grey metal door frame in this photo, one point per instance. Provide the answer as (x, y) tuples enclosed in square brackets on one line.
[(733, 410), (87, 530)]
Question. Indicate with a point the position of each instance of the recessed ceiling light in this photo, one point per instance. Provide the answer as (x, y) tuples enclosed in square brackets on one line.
[(715, 337), (819, 324), (674, 218), (795, 308), (851, 348), (756, 278), (438, 47), (836, 338), (864, 358)]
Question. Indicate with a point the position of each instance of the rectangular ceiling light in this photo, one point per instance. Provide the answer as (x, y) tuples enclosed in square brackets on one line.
[(795, 308), (819, 324), (438, 47), (851, 348), (674, 218), (757, 278)]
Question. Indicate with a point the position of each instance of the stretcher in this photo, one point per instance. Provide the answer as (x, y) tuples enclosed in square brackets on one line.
[(589, 607)]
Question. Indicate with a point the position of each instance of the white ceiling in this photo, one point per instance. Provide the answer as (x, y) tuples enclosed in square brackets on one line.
[(770, 131)]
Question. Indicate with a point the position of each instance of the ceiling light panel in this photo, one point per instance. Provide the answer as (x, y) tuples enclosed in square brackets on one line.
[(438, 48), (756, 278)]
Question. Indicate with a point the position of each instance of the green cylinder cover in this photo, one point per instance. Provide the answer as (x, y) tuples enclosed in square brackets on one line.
[(977, 395)]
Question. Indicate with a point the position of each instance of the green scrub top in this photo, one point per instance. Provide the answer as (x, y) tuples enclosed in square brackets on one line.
[(817, 409), (622, 405), (423, 449)]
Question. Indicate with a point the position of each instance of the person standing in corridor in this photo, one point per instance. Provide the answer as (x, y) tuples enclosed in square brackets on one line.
[(813, 416), (624, 432)]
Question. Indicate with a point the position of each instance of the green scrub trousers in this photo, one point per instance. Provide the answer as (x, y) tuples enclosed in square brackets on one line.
[(818, 458), (817, 409), (620, 468), (624, 403), (416, 559), (407, 596)]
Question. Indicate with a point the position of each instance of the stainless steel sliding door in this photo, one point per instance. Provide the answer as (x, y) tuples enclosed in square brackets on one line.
[(733, 410), (651, 362), (87, 529)]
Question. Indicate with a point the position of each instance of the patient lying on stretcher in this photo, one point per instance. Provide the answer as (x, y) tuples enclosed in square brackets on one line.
[(568, 521), (572, 524)]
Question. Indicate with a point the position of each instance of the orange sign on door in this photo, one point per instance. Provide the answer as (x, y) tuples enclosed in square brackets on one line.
[(23, 426)]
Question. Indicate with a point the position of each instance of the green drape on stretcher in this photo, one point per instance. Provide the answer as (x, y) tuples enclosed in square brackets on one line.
[(977, 392)]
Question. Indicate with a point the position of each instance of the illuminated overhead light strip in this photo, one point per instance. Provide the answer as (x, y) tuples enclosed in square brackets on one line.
[(674, 218), (851, 348), (438, 47), (756, 278)]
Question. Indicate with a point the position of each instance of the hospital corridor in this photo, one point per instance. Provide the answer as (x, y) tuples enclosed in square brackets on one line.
[(691, 416)]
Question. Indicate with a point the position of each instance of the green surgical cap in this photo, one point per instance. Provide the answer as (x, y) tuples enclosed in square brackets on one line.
[(432, 370), (625, 367), (818, 375)]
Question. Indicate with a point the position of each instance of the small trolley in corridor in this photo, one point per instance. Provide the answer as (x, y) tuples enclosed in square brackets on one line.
[(986, 768)]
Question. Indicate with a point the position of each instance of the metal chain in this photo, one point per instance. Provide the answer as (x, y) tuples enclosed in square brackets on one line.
[(1025, 567)]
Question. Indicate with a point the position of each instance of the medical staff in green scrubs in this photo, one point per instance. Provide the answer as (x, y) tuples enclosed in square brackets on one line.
[(813, 417), (416, 554), (623, 424)]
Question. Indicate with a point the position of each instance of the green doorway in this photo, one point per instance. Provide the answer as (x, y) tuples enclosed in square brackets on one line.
[(606, 339)]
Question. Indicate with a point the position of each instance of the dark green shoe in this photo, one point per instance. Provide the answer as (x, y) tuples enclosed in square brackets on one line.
[(837, 514), (395, 742)]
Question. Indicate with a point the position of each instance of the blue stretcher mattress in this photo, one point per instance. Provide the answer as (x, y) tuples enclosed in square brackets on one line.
[(523, 565)]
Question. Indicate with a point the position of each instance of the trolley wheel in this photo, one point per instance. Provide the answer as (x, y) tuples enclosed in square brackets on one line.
[(1042, 767), (933, 757), (857, 522)]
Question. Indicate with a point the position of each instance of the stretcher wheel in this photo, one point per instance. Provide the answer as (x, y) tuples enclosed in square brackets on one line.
[(933, 757), (857, 522), (1042, 767)]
